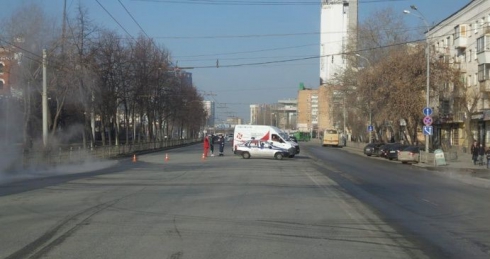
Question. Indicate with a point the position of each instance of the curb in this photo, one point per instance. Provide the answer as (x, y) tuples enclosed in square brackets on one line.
[(472, 176)]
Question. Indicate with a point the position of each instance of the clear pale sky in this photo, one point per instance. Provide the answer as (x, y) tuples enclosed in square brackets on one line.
[(242, 34)]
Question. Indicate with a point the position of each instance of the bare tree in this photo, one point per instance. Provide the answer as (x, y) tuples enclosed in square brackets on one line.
[(26, 32)]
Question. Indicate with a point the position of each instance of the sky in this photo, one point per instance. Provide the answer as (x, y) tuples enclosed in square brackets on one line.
[(264, 48)]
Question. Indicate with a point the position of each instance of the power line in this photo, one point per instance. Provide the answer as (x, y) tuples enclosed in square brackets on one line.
[(134, 20), (254, 3), (113, 18), (247, 52), (304, 58)]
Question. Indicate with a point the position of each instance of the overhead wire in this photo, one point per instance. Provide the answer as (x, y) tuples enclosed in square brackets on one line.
[(115, 20), (254, 3)]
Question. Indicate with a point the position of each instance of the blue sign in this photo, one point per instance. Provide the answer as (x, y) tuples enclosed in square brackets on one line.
[(370, 128), (427, 130), (427, 111)]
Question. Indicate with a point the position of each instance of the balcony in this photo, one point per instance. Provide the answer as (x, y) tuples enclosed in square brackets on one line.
[(485, 86), (460, 43), (460, 36), (457, 117), (483, 57)]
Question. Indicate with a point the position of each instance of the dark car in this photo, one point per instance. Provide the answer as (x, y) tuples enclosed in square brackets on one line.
[(383, 149), (393, 151), (372, 149)]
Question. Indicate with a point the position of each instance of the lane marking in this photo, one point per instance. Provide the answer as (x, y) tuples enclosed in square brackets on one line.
[(435, 204)]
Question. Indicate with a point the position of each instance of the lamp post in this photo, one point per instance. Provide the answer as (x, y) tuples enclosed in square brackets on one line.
[(421, 17), (369, 105)]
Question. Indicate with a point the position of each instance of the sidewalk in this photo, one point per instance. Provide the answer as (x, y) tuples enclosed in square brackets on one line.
[(459, 166)]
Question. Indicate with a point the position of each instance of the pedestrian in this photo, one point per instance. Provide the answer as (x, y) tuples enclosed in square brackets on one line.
[(481, 153), (474, 152), (206, 146), (221, 142), (211, 144), (488, 157)]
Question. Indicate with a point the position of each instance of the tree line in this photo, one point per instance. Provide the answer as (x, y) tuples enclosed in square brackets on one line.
[(387, 80), (103, 88)]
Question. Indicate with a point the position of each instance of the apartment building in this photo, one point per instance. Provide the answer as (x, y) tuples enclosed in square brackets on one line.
[(307, 119), (338, 19), (285, 114), (326, 107), (210, 108), (463, 39), (5, 61)]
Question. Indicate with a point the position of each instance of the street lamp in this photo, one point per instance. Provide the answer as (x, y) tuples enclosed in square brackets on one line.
[(369, 105), (421, 17)]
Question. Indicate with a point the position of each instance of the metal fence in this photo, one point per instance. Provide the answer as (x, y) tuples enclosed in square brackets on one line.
[(76, 154)]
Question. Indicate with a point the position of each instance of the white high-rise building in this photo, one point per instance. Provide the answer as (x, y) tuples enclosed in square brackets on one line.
[(338, 21), (209, 107)]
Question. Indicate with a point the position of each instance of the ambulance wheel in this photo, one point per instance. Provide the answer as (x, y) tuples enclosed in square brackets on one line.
[(246, 155), (278, 156)]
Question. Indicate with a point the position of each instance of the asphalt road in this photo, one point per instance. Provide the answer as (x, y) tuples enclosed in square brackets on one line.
[(332, 205), (444, 216)]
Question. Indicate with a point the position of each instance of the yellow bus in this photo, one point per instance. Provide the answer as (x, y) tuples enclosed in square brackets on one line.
[(331, 138)]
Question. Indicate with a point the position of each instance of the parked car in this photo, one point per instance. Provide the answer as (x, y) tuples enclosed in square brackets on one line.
[(411, 154), (262, 149), (383, 149), (372, 149), (393, 151)]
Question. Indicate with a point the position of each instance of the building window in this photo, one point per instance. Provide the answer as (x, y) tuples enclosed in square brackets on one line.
[(483, 72), (1, 84), (2, 67), (483, 43), (460, 31)]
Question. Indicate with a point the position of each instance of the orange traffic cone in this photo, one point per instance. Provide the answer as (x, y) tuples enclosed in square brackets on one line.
[(134, 158), (166, 157)]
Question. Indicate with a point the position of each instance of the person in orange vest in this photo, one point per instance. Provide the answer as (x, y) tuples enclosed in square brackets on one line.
[(206, 146)]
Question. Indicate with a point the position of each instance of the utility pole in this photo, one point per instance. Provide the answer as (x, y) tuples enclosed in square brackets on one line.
[(45, 102)]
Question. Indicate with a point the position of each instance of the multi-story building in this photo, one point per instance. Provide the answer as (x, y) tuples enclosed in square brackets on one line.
[(5, 61), (233, 120), (338, 25), (260, 114), (284, 114), (281, 114), (307, 120), (463, 39), (338, 22), (326, 107), (209, 107)]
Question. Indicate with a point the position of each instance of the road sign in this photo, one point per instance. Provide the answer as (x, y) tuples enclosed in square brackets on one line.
[(427, 120), (370, 128), (427, 130), (427, 111)]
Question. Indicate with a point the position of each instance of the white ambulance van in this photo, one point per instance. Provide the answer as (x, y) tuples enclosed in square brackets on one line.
[(265, 133)]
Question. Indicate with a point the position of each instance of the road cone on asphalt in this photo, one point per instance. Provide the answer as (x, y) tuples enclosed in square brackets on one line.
[(166, 157), (134, 158)]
